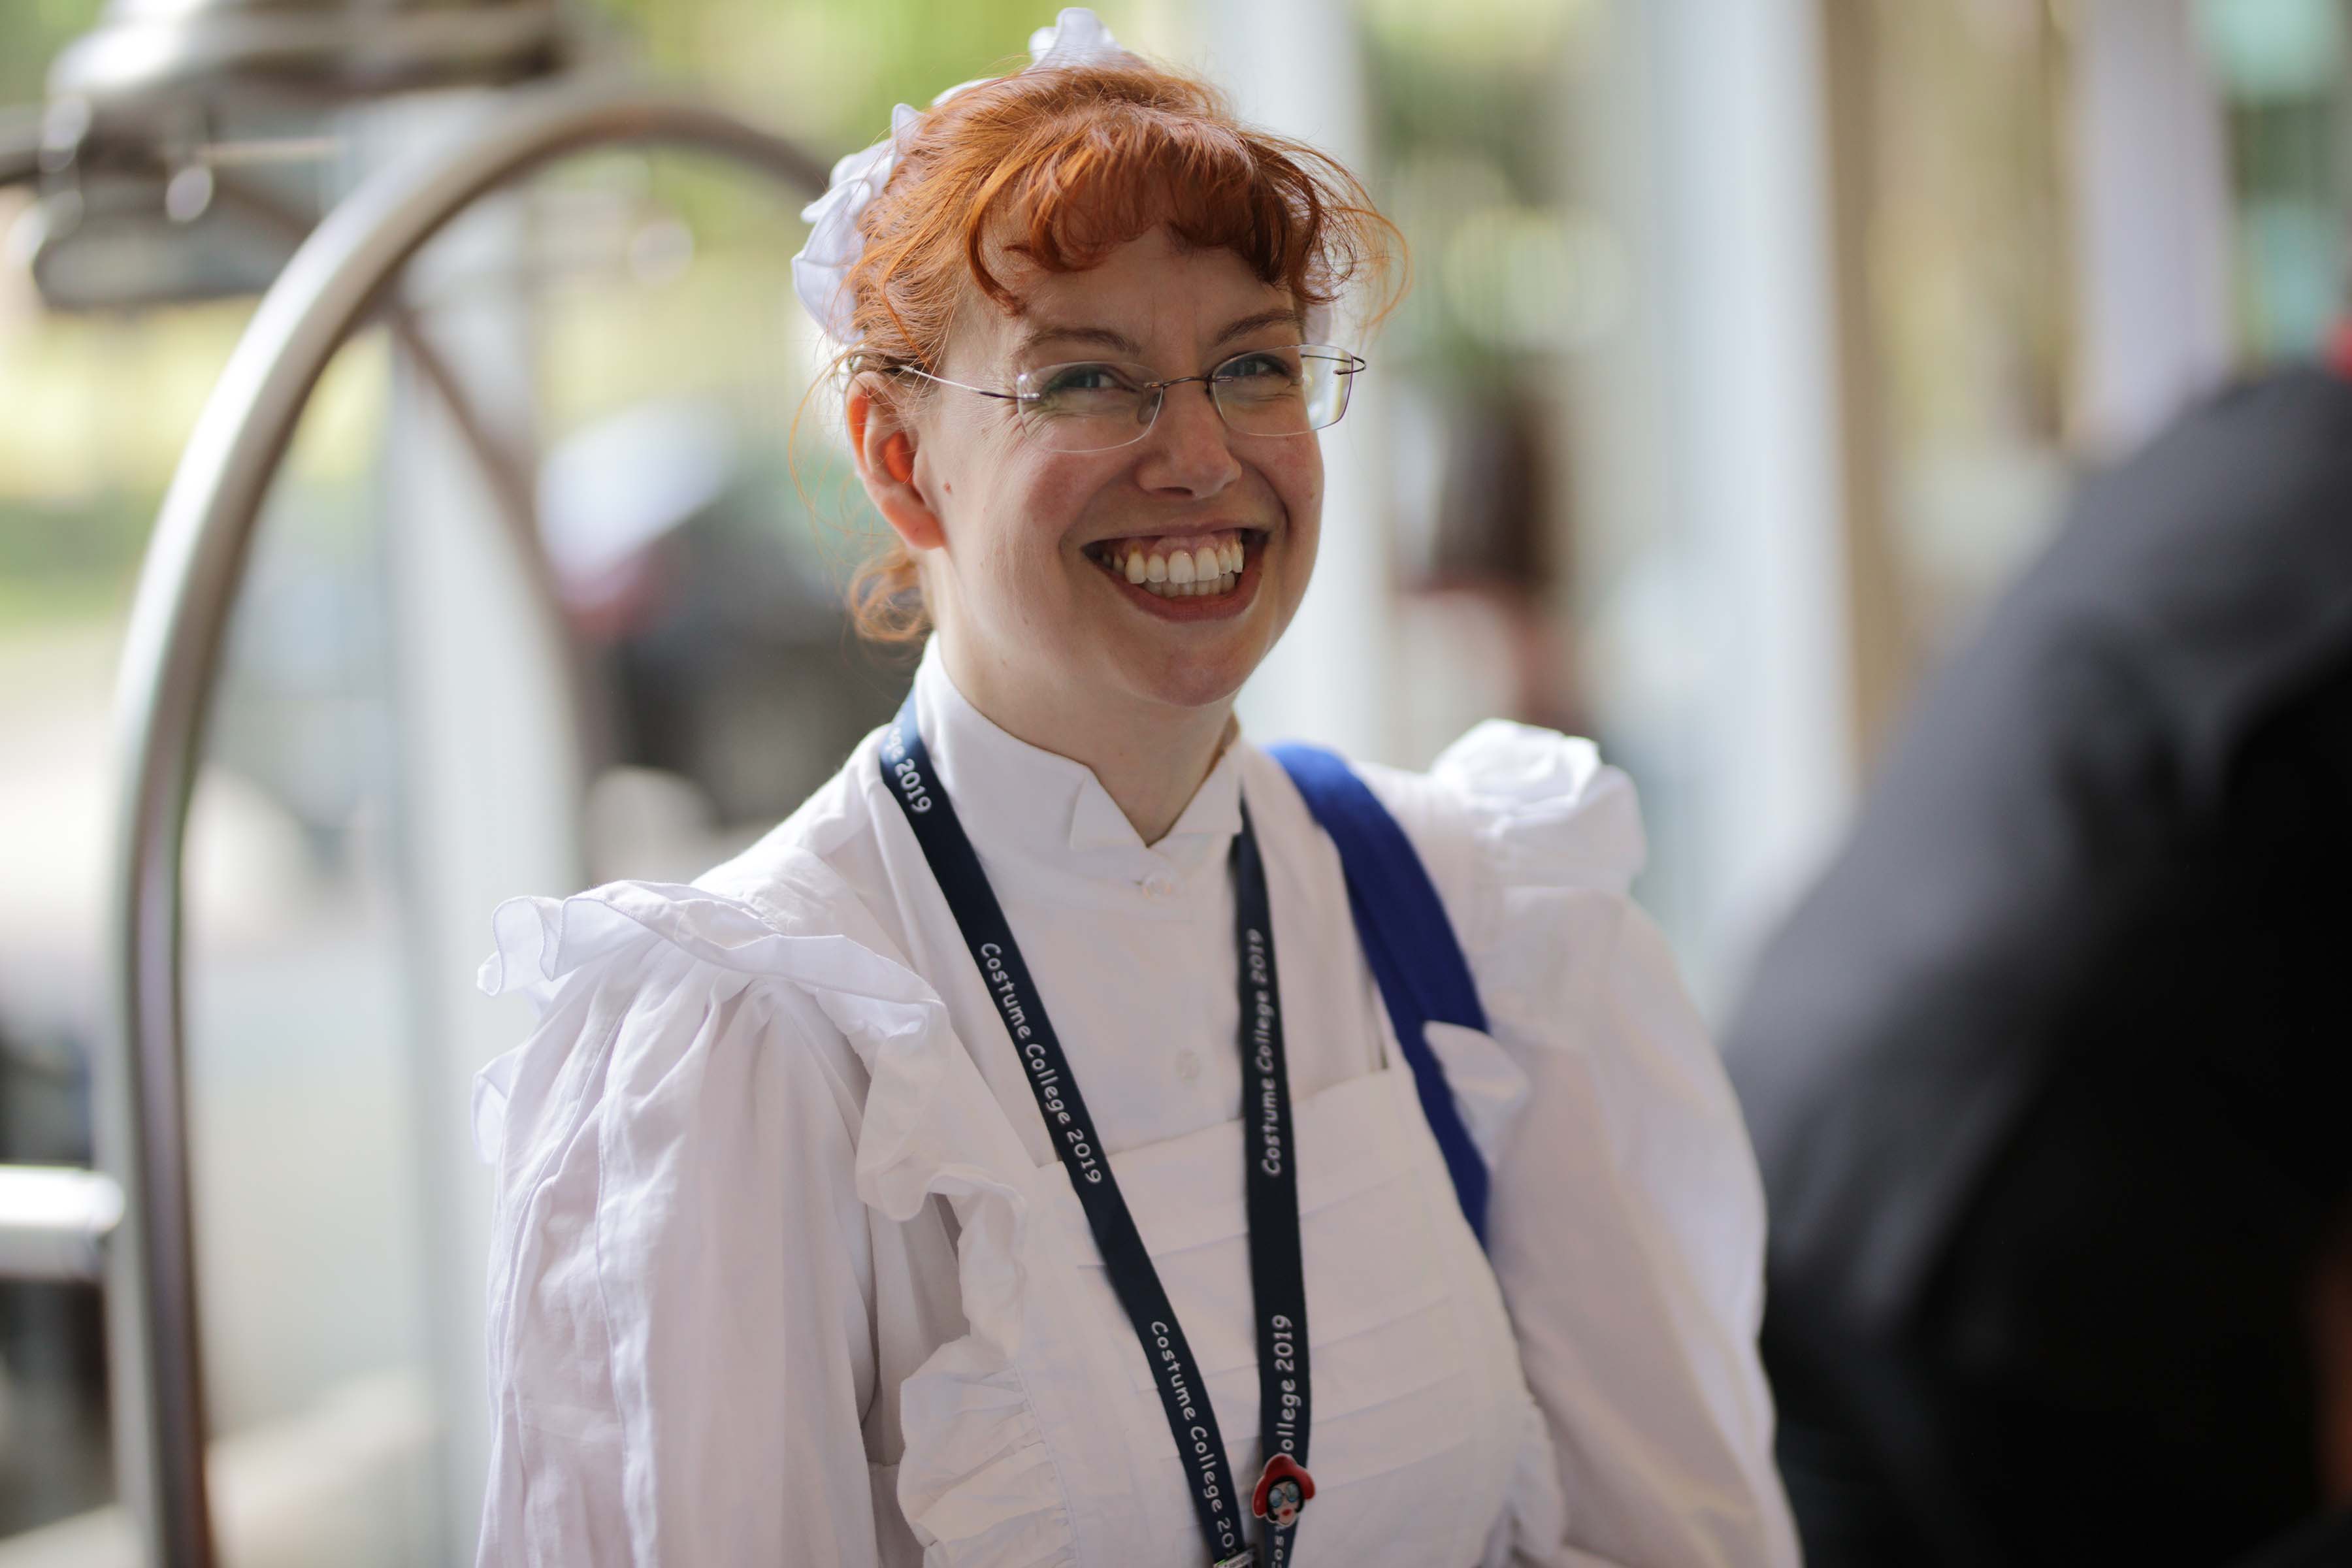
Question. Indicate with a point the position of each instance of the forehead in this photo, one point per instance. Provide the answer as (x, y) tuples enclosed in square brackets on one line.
[(1151, 296)]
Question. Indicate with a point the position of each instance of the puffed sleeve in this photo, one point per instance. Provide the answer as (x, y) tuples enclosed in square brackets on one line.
[(1625, 1220), (681, 1344)]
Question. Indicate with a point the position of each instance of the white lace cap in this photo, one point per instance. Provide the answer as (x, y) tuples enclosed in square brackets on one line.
[(1077, 38)]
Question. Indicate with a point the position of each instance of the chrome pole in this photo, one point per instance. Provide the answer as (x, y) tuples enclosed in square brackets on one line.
[(187, 589)]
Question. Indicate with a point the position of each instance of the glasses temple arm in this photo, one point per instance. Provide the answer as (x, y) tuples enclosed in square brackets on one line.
[(965, 386)]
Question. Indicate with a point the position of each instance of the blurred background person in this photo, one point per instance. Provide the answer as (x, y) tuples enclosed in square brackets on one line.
[(2049, 1074), (1751, 351), (2039, 1070)]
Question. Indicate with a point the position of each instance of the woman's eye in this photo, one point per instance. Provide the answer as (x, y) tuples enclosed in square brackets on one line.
[(1084, 378), (1264, 367)]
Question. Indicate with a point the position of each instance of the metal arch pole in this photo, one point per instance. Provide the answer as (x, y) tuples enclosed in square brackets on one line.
[(170, 656), (505, 471)]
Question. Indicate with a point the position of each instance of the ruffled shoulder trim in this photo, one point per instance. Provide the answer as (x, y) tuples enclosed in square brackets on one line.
[(1532, 842), (538, 941), (976, 1482), (1542, 804), (931, 1125)]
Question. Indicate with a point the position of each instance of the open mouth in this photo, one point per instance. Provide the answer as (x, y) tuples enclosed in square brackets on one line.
[(1181, 566)]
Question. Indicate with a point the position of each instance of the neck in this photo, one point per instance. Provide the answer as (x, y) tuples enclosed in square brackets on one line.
[(1149, 758)]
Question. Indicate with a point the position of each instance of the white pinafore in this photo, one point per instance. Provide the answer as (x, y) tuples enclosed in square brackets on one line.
[(1421, 1422)]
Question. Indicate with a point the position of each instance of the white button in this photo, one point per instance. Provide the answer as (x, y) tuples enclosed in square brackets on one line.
[(1160, 885), (1188, 1064)]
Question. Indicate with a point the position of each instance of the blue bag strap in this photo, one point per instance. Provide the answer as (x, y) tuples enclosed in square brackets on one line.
[(1408, 942)]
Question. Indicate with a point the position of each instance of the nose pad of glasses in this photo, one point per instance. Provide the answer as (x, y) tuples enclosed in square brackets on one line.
[(1150, 411)]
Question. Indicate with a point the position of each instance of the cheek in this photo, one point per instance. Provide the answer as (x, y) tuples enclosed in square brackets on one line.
[(1300, 486), (1020, 503), (1045, 503), (1029, 513)]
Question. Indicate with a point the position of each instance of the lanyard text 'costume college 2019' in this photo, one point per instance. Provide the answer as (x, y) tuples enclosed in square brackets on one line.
[(1277, 1275)]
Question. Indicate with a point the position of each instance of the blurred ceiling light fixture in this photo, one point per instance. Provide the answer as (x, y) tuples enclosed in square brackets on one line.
[(168, 106)]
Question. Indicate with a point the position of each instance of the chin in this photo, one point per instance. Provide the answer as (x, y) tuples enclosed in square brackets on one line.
[(1194, 678), (1184, 654)]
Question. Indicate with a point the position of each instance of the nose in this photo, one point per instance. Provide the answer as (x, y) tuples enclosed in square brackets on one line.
[(1190, 449)]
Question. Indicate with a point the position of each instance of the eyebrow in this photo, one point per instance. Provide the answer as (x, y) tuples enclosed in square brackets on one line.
[(1050, 332), (1278, 317)]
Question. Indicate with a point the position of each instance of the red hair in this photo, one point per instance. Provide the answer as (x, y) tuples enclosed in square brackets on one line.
[(1058, 168)]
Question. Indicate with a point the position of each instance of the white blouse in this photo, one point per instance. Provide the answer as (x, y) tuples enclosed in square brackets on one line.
[(785, 1269)]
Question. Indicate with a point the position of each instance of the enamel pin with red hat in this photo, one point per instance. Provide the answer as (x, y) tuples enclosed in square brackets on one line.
[(1282, 1491)]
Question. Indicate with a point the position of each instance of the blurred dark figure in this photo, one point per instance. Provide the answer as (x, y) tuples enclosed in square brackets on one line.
[(1498, 538), (2051, 1078)]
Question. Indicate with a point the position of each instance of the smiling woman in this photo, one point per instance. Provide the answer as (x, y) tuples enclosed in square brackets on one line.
[(1007, 530), (1111, 208), (1108, 208), (810, 1247)]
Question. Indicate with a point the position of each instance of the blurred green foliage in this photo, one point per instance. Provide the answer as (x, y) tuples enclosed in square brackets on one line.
[(68, 563), (830, 69), (31, 33), (1471, 128)]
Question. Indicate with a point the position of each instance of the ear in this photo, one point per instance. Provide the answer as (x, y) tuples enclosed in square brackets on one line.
[(885, 446)]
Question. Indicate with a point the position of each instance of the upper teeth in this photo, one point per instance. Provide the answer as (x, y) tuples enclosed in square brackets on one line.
[(1211, 566)]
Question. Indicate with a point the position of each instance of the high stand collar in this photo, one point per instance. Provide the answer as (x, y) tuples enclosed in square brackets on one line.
[(1027, 807)]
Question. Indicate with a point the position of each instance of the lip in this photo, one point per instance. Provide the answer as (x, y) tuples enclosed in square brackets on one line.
[(1201, 531), (1215, 607)]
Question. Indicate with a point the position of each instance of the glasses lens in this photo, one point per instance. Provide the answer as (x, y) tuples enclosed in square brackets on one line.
[(1086, 407), (1283, 391), (1093, 406)]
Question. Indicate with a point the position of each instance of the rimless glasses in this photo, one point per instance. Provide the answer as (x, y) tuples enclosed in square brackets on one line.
[(1094, 406)]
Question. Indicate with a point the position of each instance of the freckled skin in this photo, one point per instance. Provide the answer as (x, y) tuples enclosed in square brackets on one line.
[(1032, 631)]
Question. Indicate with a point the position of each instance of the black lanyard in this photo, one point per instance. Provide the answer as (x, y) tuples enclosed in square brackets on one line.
[(1277, 1279)]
